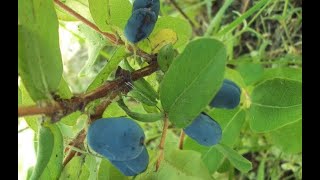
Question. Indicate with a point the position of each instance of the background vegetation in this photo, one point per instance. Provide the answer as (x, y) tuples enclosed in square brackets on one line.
[(264, 47)]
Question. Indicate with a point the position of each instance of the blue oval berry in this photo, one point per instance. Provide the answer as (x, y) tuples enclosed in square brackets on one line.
[(117, 139), (140, 25), (153, 5), (134, 166), (205, 130), (228, 97)]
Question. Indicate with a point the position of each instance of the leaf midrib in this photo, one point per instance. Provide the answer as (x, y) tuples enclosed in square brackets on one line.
[(193, 81)]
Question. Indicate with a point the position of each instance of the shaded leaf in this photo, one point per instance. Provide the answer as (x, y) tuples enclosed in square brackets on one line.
[(95, 43), (108, 172), (79, 6), (235, 159), (39, 58), (49, 153), (178, 164), (73, 169), (112, 65)]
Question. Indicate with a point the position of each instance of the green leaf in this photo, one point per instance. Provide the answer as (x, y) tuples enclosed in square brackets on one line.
[(19, 96), (289, 137), (150, 117), (106, 13), (180, 26), (178, 164), (250, 72), (210, 156), (225, 166), (283, 72), (45, 148), (108, 172), (92, 165), (113, 110), (71, 119), (63, 90), (260, 175), (103, 75), (235, 159), (95, 42), (230, 122), (73, 169), (165, 57), (235, 76), (49, 153), (275, 103), (141, 89), (99, 12), (192, 80), (39, 58), (79, 6)]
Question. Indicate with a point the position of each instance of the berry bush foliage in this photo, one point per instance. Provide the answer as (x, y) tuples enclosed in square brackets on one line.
[(161, 89)]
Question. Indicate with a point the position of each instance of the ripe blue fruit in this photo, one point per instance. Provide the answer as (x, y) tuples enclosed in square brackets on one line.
[(140, 25), (153, 5), (117, 139), (205, 130), (228, 97), (134, 166)]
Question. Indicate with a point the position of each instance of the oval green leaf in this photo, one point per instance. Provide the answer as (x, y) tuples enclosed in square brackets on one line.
[(178, 164), (39, 58), (235, 159), (49, 153), (275, 103), (192, 80)]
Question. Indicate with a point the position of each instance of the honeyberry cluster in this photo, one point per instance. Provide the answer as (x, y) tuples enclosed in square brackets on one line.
[(142, 21), (205, 130), (121, 140)]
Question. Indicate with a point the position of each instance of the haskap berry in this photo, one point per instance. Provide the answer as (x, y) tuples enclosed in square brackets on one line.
[(228, 97), (205, 130)]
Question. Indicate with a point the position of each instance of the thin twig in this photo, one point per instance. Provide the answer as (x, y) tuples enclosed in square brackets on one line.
[(23, 129), (111, 37), (162, 141), (79, 102), (182, 134), (76, 142), (115, 40), (183, 14)]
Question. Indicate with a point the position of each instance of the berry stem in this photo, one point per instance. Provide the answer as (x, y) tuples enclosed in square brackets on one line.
[(182, 134), (162, 141)]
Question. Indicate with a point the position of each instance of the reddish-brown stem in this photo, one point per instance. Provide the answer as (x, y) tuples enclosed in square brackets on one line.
[(34, 110), (162, 141), (77, 103), (77, 142), (181, 139), (111, 37)]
